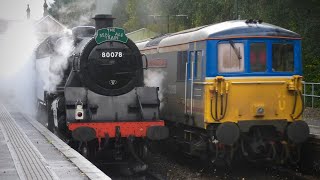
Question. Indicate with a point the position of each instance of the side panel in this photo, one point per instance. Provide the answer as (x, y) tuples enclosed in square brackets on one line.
[(195, 87), (171, 91)]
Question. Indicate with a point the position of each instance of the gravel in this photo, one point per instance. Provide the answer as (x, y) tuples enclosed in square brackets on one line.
[(312, 116), (173, 166)]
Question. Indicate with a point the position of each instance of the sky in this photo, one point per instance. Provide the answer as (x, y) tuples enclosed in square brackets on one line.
[(16, 9)]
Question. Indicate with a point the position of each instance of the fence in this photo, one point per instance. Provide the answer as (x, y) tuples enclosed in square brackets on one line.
[(311, 91)]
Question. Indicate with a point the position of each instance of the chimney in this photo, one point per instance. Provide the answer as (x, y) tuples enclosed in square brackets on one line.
[(45, 8), (103, 21), (28, 12), (103, 18)]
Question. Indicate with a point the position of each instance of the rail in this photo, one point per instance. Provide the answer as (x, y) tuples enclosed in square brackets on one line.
[(314, 92)]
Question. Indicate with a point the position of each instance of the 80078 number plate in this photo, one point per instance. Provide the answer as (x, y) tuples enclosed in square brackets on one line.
[(111, 54)]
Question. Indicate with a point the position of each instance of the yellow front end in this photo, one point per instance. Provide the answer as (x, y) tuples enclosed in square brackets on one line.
[(266, 98)]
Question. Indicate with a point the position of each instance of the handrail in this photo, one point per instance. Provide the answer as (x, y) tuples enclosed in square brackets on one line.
[(312, 95), (310, 83)]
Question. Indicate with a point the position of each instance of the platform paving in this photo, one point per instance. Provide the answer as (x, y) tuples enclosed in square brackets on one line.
[(30, 151)]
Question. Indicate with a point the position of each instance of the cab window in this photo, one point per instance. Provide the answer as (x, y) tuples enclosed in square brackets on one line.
[(258, 57), (181, 66), (230, 57), (282, 58)]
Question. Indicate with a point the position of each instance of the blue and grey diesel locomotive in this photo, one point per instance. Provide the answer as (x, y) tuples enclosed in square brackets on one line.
[(232, 86), (101, 101)]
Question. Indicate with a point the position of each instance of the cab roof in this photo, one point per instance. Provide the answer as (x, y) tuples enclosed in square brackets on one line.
[(224, 30)]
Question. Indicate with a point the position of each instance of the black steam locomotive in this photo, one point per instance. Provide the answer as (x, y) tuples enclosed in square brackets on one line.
[(100, 102)]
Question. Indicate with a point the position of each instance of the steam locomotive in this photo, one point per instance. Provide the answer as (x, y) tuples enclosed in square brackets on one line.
[(100, 101)]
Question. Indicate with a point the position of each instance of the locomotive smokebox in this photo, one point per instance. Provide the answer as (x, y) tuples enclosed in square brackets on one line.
[(103, 21)]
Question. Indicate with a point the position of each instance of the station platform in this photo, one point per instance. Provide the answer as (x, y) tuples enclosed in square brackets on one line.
[(29, 151)]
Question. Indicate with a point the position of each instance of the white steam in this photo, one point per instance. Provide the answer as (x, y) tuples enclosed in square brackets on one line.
[(155, 78), (58, 63), (104, 6), (69, 13), (17, 73)]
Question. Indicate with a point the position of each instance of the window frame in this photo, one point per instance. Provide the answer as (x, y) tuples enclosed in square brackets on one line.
[(244, 56), (271, 54), (181, 65), (266, 42), (211, 57)]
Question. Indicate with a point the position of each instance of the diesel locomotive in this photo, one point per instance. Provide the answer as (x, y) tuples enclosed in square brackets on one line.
[(100, 102), (232, 88)]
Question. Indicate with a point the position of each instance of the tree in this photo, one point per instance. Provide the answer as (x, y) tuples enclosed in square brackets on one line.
[(120, 13), (302, 17), (73, 12)]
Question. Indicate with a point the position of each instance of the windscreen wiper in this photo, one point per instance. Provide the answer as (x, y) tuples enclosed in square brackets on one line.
[(235, 49)]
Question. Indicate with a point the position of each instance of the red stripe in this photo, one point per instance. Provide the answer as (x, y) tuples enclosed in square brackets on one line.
[(137, 129)]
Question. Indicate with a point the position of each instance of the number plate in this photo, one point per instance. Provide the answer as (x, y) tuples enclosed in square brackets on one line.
[(111, 54)]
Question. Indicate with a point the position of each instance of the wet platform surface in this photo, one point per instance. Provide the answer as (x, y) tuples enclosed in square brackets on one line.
[(29, 151)]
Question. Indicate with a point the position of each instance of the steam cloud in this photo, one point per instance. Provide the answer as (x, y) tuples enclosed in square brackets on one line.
[(18, 76), (17, 73), (58, 64), (104, 6), (155, 78), (68, 13)]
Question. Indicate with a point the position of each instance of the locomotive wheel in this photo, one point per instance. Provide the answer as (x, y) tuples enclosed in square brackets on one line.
[(294, 154), (284, 155), (49, 100), (143, 151), (62, 126), (85, 151), (62, 130)]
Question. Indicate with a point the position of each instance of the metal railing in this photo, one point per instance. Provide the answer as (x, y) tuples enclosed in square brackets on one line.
[(314, 92)]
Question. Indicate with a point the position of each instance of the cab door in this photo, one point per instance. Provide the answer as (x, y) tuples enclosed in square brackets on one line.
[(190, 71)]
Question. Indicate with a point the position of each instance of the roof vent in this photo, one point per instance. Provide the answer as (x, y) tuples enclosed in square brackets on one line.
[(254, 21)]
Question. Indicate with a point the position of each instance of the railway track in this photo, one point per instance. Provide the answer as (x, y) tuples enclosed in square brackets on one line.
[(310, 154), (123, 172), (290, 173), (170, 166)]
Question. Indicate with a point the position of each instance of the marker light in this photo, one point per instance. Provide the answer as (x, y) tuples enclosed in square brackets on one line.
[(79, 114)]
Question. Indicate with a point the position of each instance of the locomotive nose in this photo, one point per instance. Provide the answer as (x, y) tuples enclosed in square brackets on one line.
[(110, 64)]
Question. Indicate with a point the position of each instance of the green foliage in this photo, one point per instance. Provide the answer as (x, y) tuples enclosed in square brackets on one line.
[(299, 16), (137, 14), (120, 13)]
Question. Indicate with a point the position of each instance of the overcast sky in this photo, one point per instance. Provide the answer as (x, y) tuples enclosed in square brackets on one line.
[(16, 9)]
